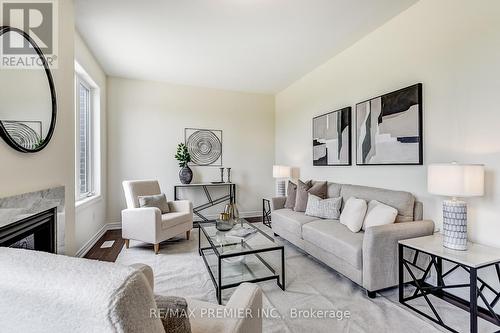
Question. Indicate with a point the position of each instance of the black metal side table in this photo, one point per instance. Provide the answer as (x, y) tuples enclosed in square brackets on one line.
[(266, 212), (429, 253)]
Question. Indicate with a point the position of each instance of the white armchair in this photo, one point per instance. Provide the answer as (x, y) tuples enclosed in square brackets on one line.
[(148, 224)]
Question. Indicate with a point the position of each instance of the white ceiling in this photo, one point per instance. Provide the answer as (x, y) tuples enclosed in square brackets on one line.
[(245, 45)]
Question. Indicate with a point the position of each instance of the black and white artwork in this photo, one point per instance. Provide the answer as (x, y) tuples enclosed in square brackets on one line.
[(389, 128), (332, 138), (204, 146), (27, 134)]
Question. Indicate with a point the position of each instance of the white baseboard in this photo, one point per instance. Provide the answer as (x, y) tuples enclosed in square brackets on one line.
[(86, 248)]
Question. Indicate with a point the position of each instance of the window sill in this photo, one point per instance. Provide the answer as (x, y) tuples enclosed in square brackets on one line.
[(83, 203)]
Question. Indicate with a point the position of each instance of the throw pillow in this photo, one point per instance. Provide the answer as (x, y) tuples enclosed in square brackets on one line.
[(159, 201), (301, 197), (174, 314), (353, 214), (319, 189), (379, 214), (291, 195), (323, 208)]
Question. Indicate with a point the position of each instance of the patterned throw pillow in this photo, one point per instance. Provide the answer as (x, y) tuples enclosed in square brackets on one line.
[(159, 201), (323, 208), (174, 313)]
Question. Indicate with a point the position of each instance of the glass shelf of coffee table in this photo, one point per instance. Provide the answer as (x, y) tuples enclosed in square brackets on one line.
[(231, 261)]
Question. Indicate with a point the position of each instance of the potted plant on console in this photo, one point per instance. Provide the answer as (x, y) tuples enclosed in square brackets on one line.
[(183, 156)]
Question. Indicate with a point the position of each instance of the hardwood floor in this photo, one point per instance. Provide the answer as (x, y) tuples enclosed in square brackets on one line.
[(110, 254)]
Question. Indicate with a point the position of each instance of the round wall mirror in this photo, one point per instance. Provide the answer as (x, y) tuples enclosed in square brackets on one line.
[(27, 97)]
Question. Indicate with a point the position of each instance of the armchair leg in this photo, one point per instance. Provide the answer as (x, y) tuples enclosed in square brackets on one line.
[(127, 243), (188, 234), (157, 248)]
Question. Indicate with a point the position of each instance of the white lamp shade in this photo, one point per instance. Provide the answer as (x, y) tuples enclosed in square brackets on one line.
[(281, 171), (456, 180)]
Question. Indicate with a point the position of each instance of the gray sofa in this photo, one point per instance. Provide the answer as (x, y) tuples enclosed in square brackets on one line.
[(368, 258)]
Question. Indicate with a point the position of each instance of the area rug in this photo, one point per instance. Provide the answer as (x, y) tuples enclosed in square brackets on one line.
[(310, 285)]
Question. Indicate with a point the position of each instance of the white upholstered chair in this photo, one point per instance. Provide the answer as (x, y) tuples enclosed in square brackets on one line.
[(148, 224)]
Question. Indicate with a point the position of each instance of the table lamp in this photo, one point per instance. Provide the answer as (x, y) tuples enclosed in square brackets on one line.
[(456, 181), (281, 173)]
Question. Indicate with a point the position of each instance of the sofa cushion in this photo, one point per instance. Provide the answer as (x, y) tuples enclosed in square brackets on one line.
[(158, 200), (291, 195), (301, 199), (323, 208), (174, 314), (379, 214), (319, 189), (172, 219), (333, 190), (337, 239), (290, 220), (353, 214), (404, 202)]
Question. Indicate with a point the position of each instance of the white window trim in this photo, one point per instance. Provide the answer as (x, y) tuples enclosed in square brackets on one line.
[(81, 76)]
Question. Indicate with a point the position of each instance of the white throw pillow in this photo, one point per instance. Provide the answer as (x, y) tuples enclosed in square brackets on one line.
[(323, 208), (379, 214), (353, 214)]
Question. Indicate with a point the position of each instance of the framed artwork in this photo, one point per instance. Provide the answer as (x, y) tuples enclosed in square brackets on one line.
[(204, 146), (332, 138), (389, 128)]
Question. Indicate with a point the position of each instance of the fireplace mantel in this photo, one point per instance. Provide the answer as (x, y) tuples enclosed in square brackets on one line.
[(24, 206)]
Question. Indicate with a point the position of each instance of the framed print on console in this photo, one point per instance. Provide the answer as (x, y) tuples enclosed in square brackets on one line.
[(389, 128), (332, 138)]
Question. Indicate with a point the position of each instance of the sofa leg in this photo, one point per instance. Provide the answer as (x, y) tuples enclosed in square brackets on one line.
[(371, 294), (188, 234), (127, 243), (276, 235), (157, 248)]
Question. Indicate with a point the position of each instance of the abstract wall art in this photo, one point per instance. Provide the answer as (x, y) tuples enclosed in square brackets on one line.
[(27, 134), (332, 138), (389, 128), (204, 146)]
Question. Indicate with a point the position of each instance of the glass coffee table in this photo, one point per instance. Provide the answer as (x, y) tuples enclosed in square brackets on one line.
[(231, 261)]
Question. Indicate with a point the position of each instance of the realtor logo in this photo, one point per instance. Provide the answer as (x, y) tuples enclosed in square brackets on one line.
[(38, 19)]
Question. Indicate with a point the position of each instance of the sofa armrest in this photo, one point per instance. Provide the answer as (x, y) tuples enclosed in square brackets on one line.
[(277, 203), (247, 296), (380, 251), (180, 206), (147, 271), (244, 317), (142, 224)]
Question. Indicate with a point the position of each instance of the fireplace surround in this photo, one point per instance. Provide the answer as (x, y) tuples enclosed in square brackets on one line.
[(33, 232)]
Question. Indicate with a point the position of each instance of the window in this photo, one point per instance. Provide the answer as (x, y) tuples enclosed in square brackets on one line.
[(87, 159), (85, 184)]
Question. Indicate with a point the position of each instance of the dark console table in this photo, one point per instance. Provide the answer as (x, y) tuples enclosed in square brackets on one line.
[(428, 253), (230, 197)]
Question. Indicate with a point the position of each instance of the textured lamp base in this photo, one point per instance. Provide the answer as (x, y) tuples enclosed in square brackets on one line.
[(280, 188), (455, 225)]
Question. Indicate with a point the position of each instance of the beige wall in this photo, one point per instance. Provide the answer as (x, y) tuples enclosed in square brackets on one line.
[(54, 166), (146, 121), (453, 48), (91, 216)]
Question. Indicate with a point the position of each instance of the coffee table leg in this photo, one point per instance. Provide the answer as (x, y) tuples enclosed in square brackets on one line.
[(283, 269), (219, 283), (199, 240)]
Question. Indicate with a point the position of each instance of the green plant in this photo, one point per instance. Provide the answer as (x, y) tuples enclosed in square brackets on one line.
[(182, 155)]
